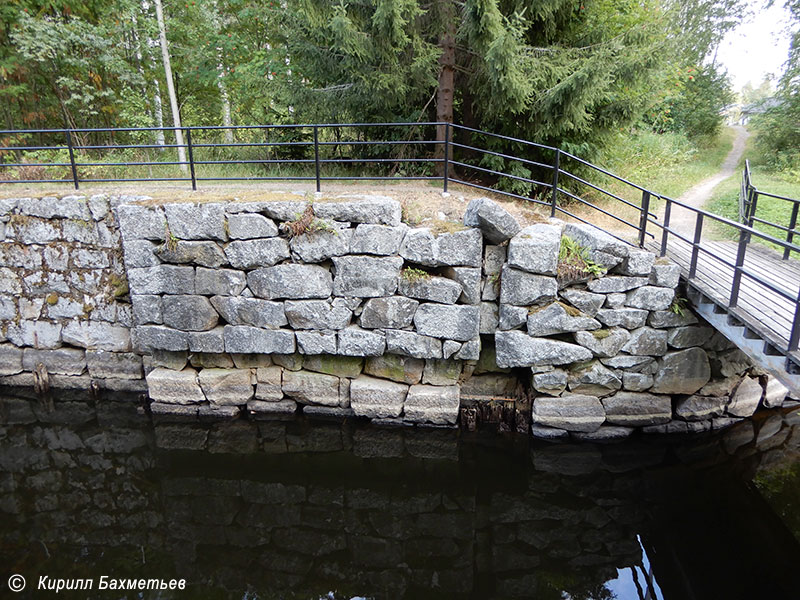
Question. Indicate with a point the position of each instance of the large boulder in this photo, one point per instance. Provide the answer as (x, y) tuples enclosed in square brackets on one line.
[(431, 288), (366, 276), (354, 341), (318, 314), (603, 343), (613, 284), (629, 318), (290, 281), (403, 369), (250, 254), (394, 312), (219, 282), (650, 297), (460, 248), (408, 343), (174, 387), (470, 280), (535, 249), (317, 246), (573, 412), (377, 398), (746, 397), (238, 310), (556, 318), (647, 342), (311, 388), (517, 349), (377, 239), (196, 221), (243, 339), (701, 408), (523, 289), (604, 249), (226, 387), (586, 302), (361, 208), (594, 379), (453, 322), (494, 221), (682, 372), (189, 313), (248, 226), (203, 253)]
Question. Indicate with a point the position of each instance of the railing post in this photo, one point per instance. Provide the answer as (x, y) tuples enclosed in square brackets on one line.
[(643, 217), (790, 233), (191, 158), (316, 155), (665, 227), (72, 159), (556, 167), (795, 335), (698, 233), (446, 176), (753, 206), (737, 271)]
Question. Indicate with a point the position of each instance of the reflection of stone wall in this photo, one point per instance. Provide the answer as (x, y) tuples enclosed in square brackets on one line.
[(379, 512), (339, 308)]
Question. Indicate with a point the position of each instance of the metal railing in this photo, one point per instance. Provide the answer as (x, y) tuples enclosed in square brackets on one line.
[(555, 179)]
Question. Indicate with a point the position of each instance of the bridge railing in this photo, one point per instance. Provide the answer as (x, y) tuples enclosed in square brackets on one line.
[(749, 195)]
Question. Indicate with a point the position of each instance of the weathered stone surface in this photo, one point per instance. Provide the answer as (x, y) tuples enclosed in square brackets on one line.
[(460, 323), (280, 210), (701, 408), (603, 343), (226, 387), (341, 366), (38, 334), (512, 317), (169, 359), (211, 360), (494, 221), (48, 207), (189, 313), (517, 349), (746, 397), (470, 280), (316, 342), (647, 342), (97, 335), (141, 222), (460, 248), (638, 263), (219, 282), (408, 343), (203, 253), (636, 409), (489, 318), (551, 383), (366, 276), (523, 289), (731, 363), (605, 433), (377, 239), (196, 221), (377, 398), (163, 279), (116, 365), (593, 379), (493, 259), (237, 310), (629, 318), (774, 393), (394, 312), (282, 407), (432, 288), (354, 341), (535, 249), (251, 254), (682, 372), (588, 303), (269, 381), (161, 338), (318, 314), (212, 341), (573, 412), (419, 246), (63, 361), (363, 208), (691, 335), (10, 359), (174, 387), (318, 246), (665, 275), (403, 369), (650, 298), (247, 226), (636, 382), (667, 318), (441, 372), (470, 350), (597, 242), (615, 300), (140, 253), (432, 404), (554, 319), (548, 433), (243, 339), (615, 284), (492, 385), (291, 281), (311, 388)]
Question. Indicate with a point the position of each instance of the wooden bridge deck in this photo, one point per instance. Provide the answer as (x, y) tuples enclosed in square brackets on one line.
[(761, 310)]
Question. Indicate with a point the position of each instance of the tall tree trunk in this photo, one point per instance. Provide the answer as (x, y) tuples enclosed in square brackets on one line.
[(223, 89), (447, 67), (173, 100)]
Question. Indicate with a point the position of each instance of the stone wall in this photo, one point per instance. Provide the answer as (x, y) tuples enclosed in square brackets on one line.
[(341, 308), (63, 295)]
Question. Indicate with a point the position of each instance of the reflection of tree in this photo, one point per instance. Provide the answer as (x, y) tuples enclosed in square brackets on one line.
[(781, 489)]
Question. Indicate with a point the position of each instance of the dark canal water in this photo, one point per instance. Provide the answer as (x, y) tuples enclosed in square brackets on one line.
[(310, 510)]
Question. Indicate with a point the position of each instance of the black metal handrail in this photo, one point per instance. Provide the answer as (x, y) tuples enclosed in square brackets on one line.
[(556, 179)]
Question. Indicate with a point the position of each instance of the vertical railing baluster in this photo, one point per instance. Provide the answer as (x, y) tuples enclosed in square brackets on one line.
[(556, 167), (753, 206), (698, 232), (72, 159), (738, 269), (191, 157), (316, 155), (446, 175), (790, 233), (795, 335), (665, 227), (644, 217)]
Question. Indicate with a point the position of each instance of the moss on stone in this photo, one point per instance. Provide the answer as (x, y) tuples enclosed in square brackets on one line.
[(330, 364)]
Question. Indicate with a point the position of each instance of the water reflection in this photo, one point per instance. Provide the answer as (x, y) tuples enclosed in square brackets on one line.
[(295, 509)]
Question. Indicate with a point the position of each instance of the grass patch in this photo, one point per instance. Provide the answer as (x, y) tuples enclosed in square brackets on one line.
[(574, 263), (439, 227), (412, 275)]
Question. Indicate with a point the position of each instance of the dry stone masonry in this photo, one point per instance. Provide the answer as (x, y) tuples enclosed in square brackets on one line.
[(339, 308)]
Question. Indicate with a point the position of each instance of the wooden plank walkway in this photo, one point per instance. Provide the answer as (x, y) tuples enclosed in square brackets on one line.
[(762, 310)]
